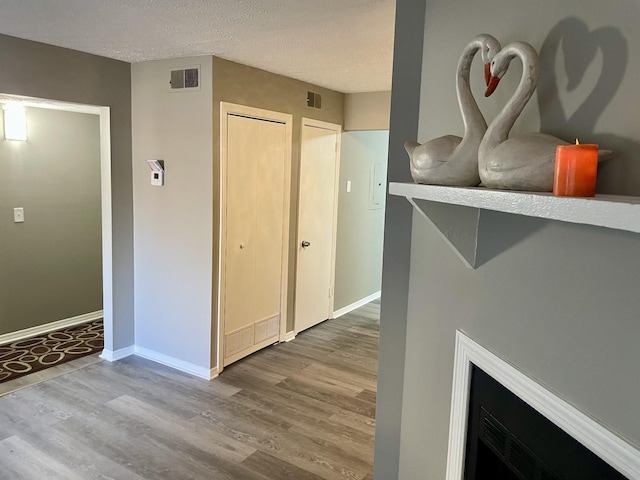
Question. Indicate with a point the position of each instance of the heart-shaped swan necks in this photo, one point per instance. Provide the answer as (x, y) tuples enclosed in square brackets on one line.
[(452, 160), (522, 162)]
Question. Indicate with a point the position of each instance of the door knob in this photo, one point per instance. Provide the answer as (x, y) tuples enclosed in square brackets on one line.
[(305, 244)]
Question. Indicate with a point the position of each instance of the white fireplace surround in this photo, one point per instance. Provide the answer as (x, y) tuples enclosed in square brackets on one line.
[(611, 448)]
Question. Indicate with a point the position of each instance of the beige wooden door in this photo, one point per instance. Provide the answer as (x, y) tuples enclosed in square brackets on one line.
[(256, 156), (317, 213)]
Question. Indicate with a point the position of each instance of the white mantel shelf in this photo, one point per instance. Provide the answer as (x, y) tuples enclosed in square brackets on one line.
[(609, 211)]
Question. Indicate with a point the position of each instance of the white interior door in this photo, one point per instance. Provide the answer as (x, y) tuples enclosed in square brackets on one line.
[(317, 214), (256, 155)]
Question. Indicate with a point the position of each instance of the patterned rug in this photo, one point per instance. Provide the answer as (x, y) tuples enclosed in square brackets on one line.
[(37, 353)]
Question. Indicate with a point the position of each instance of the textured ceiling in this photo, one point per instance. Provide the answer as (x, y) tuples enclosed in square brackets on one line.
[(345, 45)]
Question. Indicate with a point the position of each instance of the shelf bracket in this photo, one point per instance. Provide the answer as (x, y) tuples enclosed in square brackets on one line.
[(457, 225)]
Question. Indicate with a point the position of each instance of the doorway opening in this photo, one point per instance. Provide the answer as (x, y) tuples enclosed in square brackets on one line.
[(87, 216), (361, 212)]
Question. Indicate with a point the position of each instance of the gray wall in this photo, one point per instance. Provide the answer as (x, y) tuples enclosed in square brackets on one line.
[(173, 223), (360, 227), (407, 62), (250, 86), (559, 301), (44, 71), (51, 268)]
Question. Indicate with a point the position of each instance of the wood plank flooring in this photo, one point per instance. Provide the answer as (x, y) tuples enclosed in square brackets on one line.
[(302, 410)]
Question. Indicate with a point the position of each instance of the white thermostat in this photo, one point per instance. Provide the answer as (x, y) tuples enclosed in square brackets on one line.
[(157, 172)]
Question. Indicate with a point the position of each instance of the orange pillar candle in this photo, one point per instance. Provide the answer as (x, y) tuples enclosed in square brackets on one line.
[(575, 170)]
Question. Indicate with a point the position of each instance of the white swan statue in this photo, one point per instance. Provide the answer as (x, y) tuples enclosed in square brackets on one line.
[(522, 162), (452, 160)]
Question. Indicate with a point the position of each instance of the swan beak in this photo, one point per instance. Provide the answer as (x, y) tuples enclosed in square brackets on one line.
[(492, 85), (487, 73)]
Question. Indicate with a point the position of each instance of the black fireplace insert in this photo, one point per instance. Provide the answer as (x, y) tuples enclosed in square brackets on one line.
[(509, 440)]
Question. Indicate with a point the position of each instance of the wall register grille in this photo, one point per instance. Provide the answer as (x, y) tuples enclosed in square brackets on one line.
[(314, 100), (187, 78)]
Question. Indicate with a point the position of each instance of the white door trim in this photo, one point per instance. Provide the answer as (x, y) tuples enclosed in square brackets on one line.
[(336, 190), (286, 119)]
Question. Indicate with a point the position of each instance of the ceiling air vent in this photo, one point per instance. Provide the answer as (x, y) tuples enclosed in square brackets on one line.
[(314, 100), (187, 78)]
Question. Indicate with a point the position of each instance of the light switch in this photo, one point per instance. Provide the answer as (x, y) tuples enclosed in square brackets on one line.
[(348, 186), (18, 215)]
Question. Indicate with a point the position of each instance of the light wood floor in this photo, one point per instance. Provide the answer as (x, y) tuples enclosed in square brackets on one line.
[(301, 410)]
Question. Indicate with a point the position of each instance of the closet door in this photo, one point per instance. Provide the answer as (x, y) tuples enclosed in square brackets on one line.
[(254, 240)]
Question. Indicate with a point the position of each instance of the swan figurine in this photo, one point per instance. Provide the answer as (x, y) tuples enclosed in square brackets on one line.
[(453, 160), (522, 162)]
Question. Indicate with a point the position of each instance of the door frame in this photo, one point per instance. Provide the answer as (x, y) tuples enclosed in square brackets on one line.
[(104, 113), (336, 190), (227, 109)]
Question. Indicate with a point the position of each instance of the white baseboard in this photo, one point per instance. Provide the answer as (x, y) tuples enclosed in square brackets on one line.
[(289, 336), (50, 327), (113, 355), (190, 368), (354, 305)]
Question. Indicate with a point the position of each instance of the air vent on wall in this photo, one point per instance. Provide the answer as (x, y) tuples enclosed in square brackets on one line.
[(187, 78), (314, 100)]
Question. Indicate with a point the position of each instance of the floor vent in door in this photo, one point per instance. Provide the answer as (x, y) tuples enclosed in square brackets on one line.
[(267, 328), (238, 340)]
